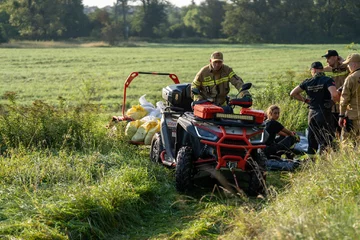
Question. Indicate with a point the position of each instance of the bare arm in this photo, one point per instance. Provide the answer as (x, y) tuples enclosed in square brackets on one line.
[(335, 95), (296, 93), (286, 132), (328, 68)]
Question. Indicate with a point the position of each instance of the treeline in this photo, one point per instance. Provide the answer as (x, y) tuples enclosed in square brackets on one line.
[(238, 21)]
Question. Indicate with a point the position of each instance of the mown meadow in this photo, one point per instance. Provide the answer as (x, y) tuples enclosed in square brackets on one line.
[(64, 176)]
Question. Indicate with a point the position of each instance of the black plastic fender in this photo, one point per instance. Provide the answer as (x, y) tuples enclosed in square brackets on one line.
[(186, 135)]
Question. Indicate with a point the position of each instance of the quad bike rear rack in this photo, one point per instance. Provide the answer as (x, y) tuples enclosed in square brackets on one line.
[(128, 80)]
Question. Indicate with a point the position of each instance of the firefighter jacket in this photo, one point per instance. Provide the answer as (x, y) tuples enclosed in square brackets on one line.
[(350, 96), (339, 75), (214, 85)]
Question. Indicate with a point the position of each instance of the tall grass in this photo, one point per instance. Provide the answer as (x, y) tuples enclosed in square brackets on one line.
[(77, 197), (41, 125), (322, 202), (62, 176), (293, 113)]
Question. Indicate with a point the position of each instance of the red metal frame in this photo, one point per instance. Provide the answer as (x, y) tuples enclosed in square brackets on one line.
[(241, 162), (134, 75)]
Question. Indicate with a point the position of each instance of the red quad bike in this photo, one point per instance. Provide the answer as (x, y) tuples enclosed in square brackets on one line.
[(205, 141)]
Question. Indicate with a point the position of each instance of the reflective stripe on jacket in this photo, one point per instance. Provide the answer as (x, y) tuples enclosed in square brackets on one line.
[(339, 75), (214, 85)]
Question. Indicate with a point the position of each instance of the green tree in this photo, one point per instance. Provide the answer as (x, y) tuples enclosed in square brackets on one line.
[(47, 19), (98, 20), (336, 19), (75, 22), (193, 20), (244, 21), (6, 30), (151, 19), (36, 19), (212, 13), (298, 24), (122, 9)]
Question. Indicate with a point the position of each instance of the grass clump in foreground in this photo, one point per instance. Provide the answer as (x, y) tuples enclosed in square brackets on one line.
[(61, 196), (63, 177), (322, 202)]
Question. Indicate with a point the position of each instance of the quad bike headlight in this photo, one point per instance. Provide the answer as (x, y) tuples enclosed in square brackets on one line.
[(205, 134)]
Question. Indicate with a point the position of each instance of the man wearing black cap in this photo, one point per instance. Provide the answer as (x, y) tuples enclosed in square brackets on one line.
[(321, 94), (338, 71)]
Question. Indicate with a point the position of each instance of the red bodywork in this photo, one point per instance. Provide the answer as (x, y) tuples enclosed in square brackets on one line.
[(235, 148), (221, 144)]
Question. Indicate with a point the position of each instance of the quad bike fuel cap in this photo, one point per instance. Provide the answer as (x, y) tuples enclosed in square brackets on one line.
[(217, 56)]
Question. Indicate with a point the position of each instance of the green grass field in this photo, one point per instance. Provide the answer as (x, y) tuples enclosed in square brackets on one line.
[(64, 176), (98, 74)]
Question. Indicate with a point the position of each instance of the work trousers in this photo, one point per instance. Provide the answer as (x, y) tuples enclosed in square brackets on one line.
[(321, 131), (282, 145)]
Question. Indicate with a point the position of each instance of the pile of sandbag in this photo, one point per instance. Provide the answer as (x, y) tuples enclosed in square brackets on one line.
[(146, 121)]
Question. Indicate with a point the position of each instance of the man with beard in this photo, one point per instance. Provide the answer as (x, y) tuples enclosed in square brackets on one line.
[(337, 71)]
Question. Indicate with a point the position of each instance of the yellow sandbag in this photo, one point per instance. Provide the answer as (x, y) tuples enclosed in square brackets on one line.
[(132, 127), (136, 112), (150, 134), (142, 131)]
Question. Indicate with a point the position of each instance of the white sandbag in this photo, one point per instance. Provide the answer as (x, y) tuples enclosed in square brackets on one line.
[(148, 109), (154, 113), (143, 102), (149, 119)]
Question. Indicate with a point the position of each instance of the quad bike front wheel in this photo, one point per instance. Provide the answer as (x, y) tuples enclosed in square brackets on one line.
[(156, 148), (184, 169)]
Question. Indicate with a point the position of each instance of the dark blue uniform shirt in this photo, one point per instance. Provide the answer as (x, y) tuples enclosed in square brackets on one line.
[(317, 91)]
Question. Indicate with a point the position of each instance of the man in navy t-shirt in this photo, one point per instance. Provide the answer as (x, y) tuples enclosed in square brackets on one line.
[(321, 94)]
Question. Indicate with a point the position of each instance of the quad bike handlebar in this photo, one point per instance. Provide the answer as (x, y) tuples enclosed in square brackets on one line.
[(245, 101)]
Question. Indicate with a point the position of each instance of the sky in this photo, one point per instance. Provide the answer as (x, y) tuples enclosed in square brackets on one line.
[(103, 3)]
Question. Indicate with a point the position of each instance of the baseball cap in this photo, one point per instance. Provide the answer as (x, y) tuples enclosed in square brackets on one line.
[(355, 57), (217, 56), (330, 53), (317, 65)]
